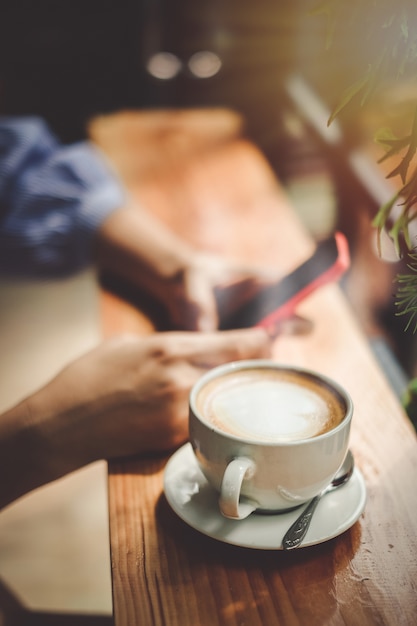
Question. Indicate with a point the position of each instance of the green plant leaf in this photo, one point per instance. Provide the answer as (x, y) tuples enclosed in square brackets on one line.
[(388, 30), (348, 95), (402, 168), (406, 301), (329, 9), (400, 228), (393, 147), (385, 135), (381, 218)]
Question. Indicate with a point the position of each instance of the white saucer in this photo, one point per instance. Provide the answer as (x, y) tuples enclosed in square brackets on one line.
[(195, 502)]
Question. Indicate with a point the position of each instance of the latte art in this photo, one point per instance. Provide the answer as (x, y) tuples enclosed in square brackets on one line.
[(270, 405)]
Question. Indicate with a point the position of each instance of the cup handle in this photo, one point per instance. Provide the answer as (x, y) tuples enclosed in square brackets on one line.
[(231, 504)]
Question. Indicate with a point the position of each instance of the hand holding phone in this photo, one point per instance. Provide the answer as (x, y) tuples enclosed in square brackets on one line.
[(279, 300)]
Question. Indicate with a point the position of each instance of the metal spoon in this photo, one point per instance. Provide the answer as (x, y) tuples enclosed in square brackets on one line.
[(296, 533)]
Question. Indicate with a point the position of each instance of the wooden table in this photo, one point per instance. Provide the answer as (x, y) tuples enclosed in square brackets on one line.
[(216, 190)]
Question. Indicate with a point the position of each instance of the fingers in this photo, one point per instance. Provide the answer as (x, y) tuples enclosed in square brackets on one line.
[(191, 302), (201, 296), (294, 325), (213, 287), (229, 298), (231, 271), (210, 349)]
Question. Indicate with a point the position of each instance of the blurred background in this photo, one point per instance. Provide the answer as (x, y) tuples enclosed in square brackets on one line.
[(71, 61)]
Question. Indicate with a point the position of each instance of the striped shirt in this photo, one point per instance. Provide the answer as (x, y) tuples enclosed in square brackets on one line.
[(53, 197)]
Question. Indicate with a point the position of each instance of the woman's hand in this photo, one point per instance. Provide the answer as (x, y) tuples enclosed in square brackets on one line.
[(128, 396), (208, 287), (133, 244)]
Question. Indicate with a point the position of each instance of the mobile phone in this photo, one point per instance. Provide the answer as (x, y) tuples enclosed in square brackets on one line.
[(279, 300)]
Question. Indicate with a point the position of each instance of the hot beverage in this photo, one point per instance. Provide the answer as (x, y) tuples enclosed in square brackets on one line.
[(271, 404), (268, 437)]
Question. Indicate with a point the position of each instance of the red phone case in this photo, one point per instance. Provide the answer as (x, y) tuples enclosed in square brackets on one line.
[(276, 302), (326, 275)]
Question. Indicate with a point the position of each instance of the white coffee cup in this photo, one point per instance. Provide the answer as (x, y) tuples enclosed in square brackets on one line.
[(268, 437)]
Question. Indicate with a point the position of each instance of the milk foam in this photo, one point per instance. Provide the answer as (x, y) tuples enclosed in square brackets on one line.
[(271, 406)]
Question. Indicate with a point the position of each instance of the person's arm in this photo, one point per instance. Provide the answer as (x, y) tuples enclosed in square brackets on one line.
[(63, 208), (53, 198), (133, 244), (126, 397)]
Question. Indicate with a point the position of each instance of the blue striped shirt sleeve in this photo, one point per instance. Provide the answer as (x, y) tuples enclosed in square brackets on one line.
[(53, 198)]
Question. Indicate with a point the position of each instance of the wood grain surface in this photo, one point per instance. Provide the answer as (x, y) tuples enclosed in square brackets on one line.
[(223, 197)]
